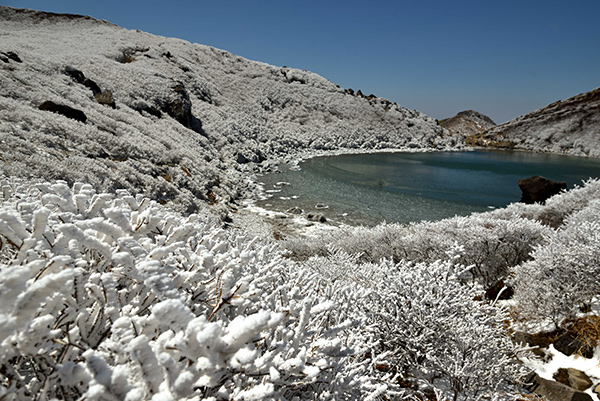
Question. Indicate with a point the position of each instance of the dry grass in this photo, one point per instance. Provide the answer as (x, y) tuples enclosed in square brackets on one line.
[(586, 330)]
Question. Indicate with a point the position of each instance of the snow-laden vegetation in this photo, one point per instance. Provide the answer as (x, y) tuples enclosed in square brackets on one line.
[(106, 297)]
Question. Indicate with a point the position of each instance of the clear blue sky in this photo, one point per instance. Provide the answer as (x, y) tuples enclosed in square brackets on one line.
[(502, 58)]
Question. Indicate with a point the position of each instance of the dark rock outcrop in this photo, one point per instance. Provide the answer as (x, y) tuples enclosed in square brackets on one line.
[(153, 111), (179, 106), (573, 378), (66, 111), (6, 57), (92, 85), (537, 189), (80, 78), (247, 156), (75, 74), (569, 344), (555, 391)]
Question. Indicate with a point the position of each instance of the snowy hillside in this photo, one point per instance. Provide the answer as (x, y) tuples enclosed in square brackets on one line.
[(571, 126), (167, 117)]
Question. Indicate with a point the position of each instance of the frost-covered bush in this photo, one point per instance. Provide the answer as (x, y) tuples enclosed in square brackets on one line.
[(435, 337), (107, 297), (491, 245), (562, 279), (113, 297)]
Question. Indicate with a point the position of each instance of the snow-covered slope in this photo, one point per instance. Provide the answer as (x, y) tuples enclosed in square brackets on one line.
[(183, 113), (570, 126)]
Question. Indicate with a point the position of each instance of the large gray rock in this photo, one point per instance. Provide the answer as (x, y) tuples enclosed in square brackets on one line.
[(537, 189), (554, 391), (573, 378)]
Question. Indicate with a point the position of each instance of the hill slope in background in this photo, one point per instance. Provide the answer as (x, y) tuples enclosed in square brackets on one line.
[(467, 123), (571, 126), (168, 118)]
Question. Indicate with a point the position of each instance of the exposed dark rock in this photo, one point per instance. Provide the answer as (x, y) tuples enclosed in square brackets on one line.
[(568, 344), (537, 189), (573, 378), (316, 217), (106, 98), (79, 77), (148, 109), (554, 391), (64, 110), (6, 57), (295, 210), (75, 74), (241, 159), (93, 86), (248, 156), (179, 106)]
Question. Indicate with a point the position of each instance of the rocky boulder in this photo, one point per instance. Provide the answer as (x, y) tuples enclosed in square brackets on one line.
[(66, 111), (537, 189), (178, 105), (106, 98), (573, 378), (554, 391), (6, 57)]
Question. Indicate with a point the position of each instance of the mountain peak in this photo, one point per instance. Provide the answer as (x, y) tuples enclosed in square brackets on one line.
[(468, 122)]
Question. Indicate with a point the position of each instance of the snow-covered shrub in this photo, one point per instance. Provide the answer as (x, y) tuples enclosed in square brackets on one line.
[(491, 245), (560, 206), (434, 336), (108, 297), (562, 279)]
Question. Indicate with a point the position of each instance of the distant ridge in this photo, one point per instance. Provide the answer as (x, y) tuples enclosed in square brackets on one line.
[(570, 126), (34, 15), (467, 123)]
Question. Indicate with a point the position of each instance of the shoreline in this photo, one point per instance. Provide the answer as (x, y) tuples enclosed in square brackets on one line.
[(305, 223)]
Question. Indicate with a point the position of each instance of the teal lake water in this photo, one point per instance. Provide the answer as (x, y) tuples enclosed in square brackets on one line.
[(406, 187)]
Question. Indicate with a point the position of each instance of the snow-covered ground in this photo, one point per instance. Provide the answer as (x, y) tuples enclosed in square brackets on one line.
[(119, 280)]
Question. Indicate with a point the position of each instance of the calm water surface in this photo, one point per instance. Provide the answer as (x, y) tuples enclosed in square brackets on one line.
[(406, 187)]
